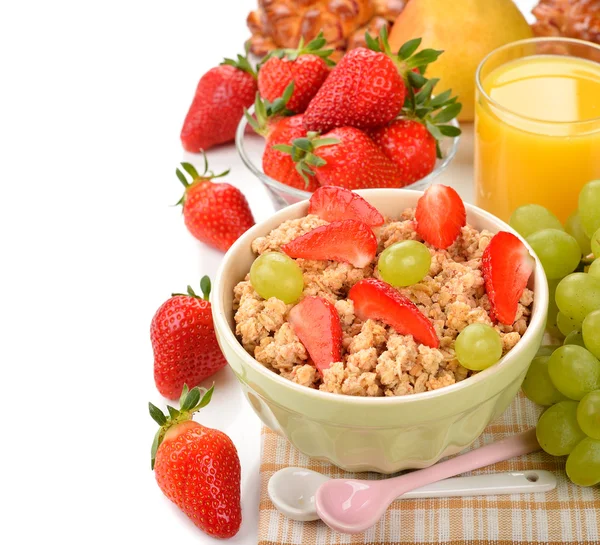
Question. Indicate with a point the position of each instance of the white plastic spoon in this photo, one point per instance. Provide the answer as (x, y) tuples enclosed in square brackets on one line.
[(292, 489)]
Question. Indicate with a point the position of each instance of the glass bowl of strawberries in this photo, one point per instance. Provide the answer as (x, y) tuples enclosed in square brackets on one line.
[(371, 121), (251, 148)]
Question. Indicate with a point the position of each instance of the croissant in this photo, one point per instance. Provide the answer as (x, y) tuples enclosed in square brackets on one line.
[(570, 18), (281, 23)]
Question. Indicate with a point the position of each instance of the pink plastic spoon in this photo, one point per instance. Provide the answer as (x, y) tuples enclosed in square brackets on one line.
[(351, 506)]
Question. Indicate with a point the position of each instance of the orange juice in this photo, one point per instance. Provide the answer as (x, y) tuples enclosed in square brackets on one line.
[(537, 132)]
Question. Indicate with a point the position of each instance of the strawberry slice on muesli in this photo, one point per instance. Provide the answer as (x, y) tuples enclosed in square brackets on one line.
[(333, 203), (349, 241), (506, 267), (316, 322), (376, 300)]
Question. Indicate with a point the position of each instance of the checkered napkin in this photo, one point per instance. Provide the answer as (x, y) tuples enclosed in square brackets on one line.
[(568, 514)]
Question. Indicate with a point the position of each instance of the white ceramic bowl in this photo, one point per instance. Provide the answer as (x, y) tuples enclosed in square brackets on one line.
[(384, 434)]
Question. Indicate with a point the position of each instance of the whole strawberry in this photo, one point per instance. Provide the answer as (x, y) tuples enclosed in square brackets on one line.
[(307, 67), (271, 122), (368, 87), (196, 467), (411, 142), (214, 213), (184, 343), (346, 157), (218, 105), (410, 145)]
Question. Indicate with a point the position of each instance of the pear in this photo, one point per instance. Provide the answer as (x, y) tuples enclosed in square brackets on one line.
[(467, 30)]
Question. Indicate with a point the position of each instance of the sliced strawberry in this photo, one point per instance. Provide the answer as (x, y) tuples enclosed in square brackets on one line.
[(440, 215), (337, 203), (378, 300), (350, 241), (317, 324), (507, 266)]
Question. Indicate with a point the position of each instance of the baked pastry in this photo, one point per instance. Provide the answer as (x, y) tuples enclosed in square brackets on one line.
[(571, 18), (281, 23)]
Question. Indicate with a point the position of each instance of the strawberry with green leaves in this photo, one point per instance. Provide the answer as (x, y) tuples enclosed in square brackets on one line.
[(196, 467), (183, 339), (412, 141), (215, 213), (346, 157), (271, 120), (368, 87), (307, 67), (218, 105)]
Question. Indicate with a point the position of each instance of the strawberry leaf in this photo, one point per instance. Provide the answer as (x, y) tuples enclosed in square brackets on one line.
[(409, 48), (182, 179), (448, 113), (184, 392), (157, 415), (435, 132), (423, 58), (205, 287), (372, 43), (191, 170), (155, 444), (416, 80), (241, 63), (191, 399), (286, 148), (449, 130), (173, 412), (205, 400), (439, 100)]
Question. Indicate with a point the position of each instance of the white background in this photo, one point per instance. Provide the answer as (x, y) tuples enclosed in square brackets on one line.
[(92, 97)]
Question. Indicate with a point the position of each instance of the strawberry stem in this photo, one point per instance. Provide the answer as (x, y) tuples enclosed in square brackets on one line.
[(302, 154), (314, 47), (406, 58), (242, 63), (265, 111), (190, 402), (191, 170), (205, 287)]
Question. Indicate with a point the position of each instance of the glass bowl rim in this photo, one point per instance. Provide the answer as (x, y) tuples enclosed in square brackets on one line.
[(303, 195)]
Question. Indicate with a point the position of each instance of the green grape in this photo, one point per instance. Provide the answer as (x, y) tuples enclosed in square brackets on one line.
[(558, 251), (595, 243), (577, 295), (575, 337), (583, 464), (551, 317), (591, 332), (478, 346), (574, 371), (594, 269), (274, 274), (575, 229), (589, 207), (557, 429), (404, 263), (537, 385), (531, 218), (566, 325), (588, 414)]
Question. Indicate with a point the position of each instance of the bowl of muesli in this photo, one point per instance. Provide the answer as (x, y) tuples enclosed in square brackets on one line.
[(383, 329)]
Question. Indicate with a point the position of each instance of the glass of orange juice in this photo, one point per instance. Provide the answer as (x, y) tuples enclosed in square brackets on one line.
[(537, 125)]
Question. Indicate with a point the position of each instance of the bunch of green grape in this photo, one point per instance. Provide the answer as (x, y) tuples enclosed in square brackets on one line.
[(567, 379)]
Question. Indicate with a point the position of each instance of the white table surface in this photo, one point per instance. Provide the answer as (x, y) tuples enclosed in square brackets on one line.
[(92, 101)]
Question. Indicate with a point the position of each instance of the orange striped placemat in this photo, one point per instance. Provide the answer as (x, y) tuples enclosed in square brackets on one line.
[(568, 514)]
